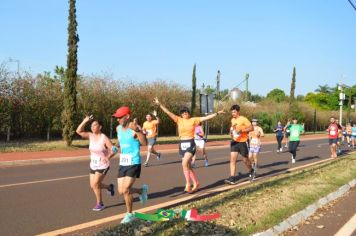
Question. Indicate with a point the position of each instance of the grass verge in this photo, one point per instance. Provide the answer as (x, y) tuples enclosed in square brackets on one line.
[(256, 207)]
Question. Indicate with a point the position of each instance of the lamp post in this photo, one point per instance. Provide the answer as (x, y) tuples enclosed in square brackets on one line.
[(341, 98)]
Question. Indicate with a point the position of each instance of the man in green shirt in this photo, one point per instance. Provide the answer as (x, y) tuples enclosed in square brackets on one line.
[(295, 131)]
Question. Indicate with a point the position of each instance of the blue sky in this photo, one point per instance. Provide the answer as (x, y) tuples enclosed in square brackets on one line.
[(150, 40)]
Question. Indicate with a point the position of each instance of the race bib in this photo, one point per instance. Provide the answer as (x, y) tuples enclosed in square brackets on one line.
[(235, 134), (294, 133), (95, 160), (332, 132), (125, 159), (254, 142), (185, 146), (149, 132)]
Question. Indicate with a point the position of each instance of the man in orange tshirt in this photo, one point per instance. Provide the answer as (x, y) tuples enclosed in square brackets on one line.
[(240, 127), (150, 130)]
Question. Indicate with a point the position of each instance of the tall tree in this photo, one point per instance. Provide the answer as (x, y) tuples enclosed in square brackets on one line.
[(70, 82), (292, 88), (194, 89)]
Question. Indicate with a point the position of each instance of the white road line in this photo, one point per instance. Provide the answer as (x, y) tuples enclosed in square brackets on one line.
[(42, 181), (348, 228)]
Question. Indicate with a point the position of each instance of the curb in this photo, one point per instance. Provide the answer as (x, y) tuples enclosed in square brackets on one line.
[(298, 217)]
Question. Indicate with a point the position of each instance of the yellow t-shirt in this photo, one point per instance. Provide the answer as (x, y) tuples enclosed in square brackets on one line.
[(151, 128), (186, 127), (237, 124)]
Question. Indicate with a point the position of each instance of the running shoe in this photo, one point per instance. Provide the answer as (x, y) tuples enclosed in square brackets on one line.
[(286, 145), (158, 156), (99, 207), (231, 180), (143, 196), (146, 164), (206, 163), (193, 164), (293, 160), (129, 217), (111, 190), (278, 150), (281, 149)]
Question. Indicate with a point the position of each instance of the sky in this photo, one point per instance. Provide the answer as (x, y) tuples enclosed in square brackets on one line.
[(162, 40)]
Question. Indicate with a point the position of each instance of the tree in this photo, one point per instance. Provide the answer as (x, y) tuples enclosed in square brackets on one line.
[(276, 95), (70, 83), (324, 89), (194, 90), (292, 88)]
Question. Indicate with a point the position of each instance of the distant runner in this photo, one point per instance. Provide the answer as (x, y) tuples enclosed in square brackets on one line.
[(240, 126), (339, 137), (149, 128), (333, 133), (295, 131), (130, 137), (200, 143), (279, 135), (287, 133), (100, 149), (255, 145), (186, 127), (348, 131), (353, 133)]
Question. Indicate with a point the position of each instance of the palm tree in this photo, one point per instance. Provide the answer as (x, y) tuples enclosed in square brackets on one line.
[(323, 89)]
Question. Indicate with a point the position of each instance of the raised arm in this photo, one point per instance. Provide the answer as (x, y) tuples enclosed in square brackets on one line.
[(170, 114), (138, 132), (154, 113), (208, 117), (80, 129)]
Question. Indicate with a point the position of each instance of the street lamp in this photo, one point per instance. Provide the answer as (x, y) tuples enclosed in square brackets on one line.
[(341, 98)]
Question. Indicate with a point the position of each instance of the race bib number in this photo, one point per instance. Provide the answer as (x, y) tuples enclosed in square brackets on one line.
[(95, 160), (149, 132), (185, 146), (332, 132), (125, 159)]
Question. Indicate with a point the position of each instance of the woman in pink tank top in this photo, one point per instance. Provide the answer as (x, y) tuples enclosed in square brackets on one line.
[(100, 149)]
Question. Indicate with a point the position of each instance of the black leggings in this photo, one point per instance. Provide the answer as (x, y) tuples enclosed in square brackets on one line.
[(279, 141), (293, 145)]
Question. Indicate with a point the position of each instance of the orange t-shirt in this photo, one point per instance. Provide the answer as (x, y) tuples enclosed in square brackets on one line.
[(151, 128), (239, 123), (186, 127)]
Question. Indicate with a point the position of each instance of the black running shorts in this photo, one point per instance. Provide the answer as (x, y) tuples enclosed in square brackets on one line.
[(133, 171), (240, 147)]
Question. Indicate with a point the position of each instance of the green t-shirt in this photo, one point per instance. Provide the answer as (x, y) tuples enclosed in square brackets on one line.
[(295, 131)]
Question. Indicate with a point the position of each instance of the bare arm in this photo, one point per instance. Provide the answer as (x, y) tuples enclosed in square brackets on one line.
[(170, 114), (80, 129), (155, 115), (109, 146), (138, 132), (208, 117)]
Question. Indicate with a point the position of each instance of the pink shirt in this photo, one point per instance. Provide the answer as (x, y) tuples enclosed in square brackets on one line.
[(98, 153)]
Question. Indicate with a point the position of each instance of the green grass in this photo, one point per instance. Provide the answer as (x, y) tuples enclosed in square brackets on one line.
[(256, 207)]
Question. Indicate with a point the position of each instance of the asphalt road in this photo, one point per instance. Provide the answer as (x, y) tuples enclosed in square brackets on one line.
[(41, 198)]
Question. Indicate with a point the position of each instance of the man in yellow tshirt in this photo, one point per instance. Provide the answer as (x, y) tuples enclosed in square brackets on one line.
[(149, 128), (240, 127)]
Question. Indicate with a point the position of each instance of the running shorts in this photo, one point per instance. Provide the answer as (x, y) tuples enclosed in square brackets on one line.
[(240, 147), (133, 171), (151, 141), (187, 146), (333, 141), (255, 149), (101, 171), (200, 143)]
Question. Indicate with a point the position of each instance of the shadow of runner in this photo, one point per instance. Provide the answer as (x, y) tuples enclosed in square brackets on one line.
[(274, 164), (307, 158)]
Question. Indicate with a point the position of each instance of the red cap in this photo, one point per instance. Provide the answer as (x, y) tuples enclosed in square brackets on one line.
[(122, 111)]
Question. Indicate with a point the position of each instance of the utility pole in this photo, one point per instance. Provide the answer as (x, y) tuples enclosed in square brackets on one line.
[(246, 78), (218, 84)]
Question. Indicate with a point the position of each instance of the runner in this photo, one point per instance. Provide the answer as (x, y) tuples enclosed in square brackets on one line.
[(348, 131), (186, 127), (333, 136), (200, 143), (294, 139), (150, 130), (240, 126), (255, 145), (287, 133), (130, 137), (100, 149), (339, 137), (353, 133), (279, 135)]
